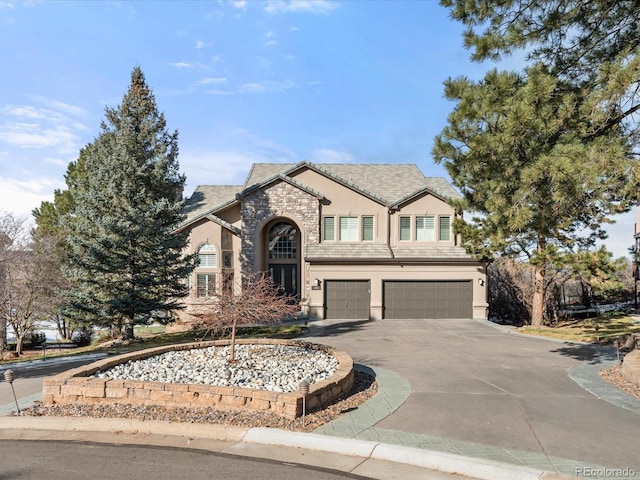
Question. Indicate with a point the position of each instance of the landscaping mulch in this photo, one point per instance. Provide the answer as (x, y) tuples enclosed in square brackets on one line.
[(614, 376), (364, 388)]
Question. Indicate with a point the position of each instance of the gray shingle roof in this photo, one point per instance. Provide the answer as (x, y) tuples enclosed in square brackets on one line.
[(418, 251), (347, 250), (388, 182), (355, 251), (208, 198)]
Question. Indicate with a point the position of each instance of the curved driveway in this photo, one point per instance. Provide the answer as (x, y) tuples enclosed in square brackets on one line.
[(480, 386)]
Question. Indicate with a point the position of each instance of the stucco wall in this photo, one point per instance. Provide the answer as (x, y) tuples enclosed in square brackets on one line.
[(377, 274)]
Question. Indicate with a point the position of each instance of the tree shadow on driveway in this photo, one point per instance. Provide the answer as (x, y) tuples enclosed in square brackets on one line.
[(593, 354), (337, 329)]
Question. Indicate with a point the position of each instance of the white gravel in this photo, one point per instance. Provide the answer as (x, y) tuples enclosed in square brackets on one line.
[(277, 368)]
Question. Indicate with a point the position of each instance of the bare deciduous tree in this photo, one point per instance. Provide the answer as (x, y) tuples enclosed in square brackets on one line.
[(29, 279), (13, 238), (259, 302)]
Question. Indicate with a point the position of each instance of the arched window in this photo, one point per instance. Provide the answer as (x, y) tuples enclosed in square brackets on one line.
[(282, 240), (207, 256)]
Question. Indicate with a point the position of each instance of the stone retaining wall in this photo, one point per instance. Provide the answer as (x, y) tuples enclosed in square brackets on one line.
[(75, 386)]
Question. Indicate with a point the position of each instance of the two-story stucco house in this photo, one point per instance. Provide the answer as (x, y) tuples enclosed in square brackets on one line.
[(350, 241)]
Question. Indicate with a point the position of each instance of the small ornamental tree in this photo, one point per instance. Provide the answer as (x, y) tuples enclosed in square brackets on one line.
[(259, 302)]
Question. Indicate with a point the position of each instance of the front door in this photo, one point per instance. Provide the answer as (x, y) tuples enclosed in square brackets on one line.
[(285, 275), (282, 241)]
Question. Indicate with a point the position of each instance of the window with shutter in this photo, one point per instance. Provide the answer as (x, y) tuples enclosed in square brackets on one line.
[(367, 228), (445, 228), (405, 228), (329, 228)]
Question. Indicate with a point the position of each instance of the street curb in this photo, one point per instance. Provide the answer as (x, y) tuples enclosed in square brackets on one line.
[(109, 425), (443, 462)]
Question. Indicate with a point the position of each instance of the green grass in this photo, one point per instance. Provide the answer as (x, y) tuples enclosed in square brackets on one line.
[(161, 338), (604, 329)]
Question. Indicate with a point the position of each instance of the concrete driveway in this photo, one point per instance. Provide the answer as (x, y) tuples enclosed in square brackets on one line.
[(473, 382)]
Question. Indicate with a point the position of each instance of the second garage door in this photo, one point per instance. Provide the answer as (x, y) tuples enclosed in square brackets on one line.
[(348, 299), (428, 299)]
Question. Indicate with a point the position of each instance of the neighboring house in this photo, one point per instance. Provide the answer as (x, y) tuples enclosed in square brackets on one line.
[(349, 241)]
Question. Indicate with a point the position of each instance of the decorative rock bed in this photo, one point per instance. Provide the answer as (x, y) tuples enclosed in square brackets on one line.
[(127, 379)]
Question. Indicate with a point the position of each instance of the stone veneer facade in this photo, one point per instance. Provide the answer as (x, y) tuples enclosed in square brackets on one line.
[(281, 200), (76, 386)]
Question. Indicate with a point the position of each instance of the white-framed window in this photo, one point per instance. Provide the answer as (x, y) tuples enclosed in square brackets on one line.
[(445, 229), (425, 228), (405, 228), (349, 229), (206, 284), (367, 228), (329, 228), (207, 256)]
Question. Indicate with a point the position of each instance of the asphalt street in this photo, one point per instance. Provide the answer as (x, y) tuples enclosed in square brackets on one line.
[(28, 460)]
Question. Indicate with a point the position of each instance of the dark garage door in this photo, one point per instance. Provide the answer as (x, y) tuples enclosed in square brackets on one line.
[(428, 299), (347, 299)]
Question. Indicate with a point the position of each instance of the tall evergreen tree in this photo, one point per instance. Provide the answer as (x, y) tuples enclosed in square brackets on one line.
[(124, 252), (513, 146), (593, 46), (546, 156), (51, 233)]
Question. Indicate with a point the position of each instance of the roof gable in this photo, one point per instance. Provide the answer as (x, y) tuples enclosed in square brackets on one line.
[(389, 184)]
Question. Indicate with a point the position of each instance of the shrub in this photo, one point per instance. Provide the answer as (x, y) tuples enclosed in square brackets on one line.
[(35, 339), (82, 337)]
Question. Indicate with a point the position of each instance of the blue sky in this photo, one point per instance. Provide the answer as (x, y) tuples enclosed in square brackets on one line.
[(242, 82)]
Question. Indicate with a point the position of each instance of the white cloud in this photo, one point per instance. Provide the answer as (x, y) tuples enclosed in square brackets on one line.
[(201, 44), (66, 108), (180, 64), (269, 86), (271, 40), (20, 197), (294, 29), (327, 155), (209, 81), (7, 6), (28, 126), (240, 4), (296, 6)]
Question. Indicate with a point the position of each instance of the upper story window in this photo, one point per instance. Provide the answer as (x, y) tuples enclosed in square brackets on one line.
[(425, 228), (329, 228), (349, 229), (367, 228), (405, 228), (445, 229), (207, 256), (283, 240)]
